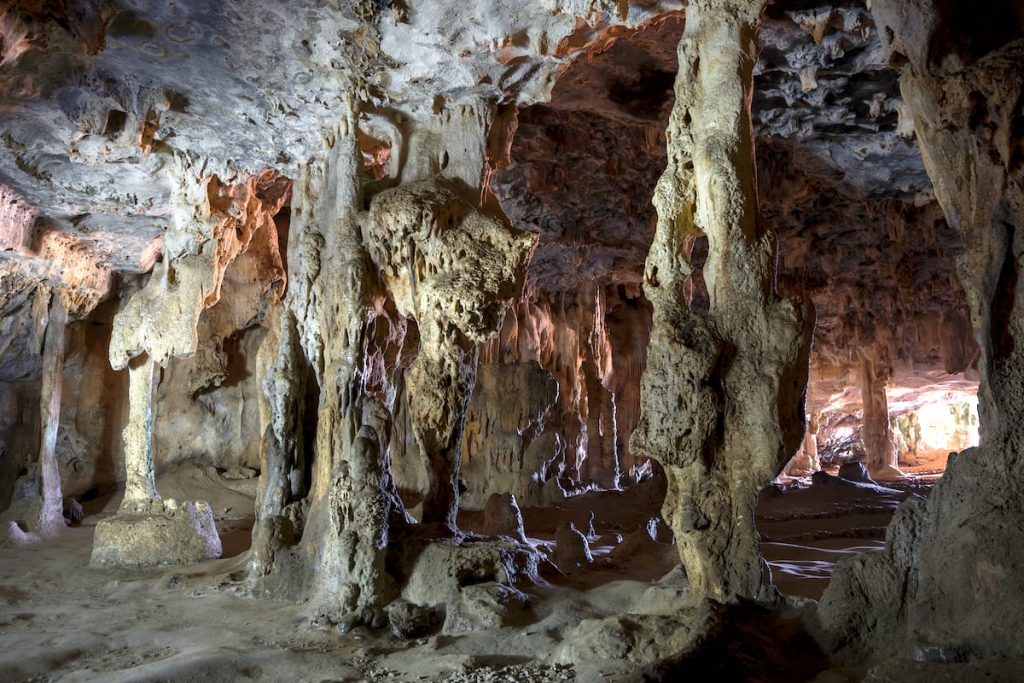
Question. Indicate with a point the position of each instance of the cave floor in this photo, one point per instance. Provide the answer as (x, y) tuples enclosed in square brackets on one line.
[(61, 620)]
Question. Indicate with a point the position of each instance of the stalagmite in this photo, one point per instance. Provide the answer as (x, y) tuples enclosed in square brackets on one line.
[(722, 404), (51, 515)]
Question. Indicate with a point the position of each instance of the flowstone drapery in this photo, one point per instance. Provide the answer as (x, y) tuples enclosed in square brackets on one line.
[(723, 392)]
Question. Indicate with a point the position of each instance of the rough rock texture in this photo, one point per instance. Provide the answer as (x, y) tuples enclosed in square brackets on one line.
[(961, 78), (722, 394), (453, 269), (572, 551), (473, 581), (157, 534)]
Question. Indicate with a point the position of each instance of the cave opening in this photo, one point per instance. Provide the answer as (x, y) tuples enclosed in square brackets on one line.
[(893, 381)]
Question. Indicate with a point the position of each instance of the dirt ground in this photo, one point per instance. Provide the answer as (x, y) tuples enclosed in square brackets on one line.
[(61, 620)]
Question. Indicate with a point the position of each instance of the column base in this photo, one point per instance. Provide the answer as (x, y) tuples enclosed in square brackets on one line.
[(156, 533)]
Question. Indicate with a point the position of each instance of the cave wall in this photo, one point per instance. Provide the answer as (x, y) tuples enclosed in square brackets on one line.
[(962, 82)]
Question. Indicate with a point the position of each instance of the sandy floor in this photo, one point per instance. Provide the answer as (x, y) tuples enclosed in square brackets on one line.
[(61, 620)]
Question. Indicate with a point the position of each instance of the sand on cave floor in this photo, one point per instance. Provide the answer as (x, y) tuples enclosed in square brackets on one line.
[(61, 620)]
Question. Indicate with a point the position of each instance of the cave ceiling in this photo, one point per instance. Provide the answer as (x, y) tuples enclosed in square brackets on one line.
[(100, 97)]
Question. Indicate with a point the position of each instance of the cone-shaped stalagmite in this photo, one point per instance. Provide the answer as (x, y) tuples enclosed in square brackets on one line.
[(723, 392)]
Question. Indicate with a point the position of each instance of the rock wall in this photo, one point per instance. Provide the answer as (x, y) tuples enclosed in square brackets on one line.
[(962, 79)]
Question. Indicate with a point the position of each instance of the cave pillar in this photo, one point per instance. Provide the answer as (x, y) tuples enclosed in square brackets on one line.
[(154, 324), (281, 452), (880, 455), (331, 551), (880, 452), (594, 465), (722, 395), (140, 476), (806, 461), (51, 512)]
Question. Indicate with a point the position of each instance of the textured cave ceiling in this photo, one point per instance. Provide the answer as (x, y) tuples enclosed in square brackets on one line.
[(100, 96)]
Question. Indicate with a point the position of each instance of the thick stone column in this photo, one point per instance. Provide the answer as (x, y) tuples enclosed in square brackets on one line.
[(333, 554), (451, 262), (722, 397)]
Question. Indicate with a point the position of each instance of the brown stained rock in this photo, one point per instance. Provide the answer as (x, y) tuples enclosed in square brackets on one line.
[(880, 450), (503, 518), (506, 447), (722, 395)]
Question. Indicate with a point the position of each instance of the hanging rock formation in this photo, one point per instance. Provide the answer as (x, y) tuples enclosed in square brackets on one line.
[(453, 269), (722, 394)]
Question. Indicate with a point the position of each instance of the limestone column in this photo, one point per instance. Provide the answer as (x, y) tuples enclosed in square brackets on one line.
[(441, 383), (880, 453), (722, 396), (51, 513), (140, 477), (451, 262)]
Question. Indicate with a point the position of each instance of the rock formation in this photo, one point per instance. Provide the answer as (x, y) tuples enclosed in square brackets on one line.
[(477, 337), (722, 393)]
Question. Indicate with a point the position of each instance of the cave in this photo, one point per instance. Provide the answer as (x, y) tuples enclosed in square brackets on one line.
[(408, 340)]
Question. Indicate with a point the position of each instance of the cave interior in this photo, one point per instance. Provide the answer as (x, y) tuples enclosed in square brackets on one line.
[(511, 340)]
